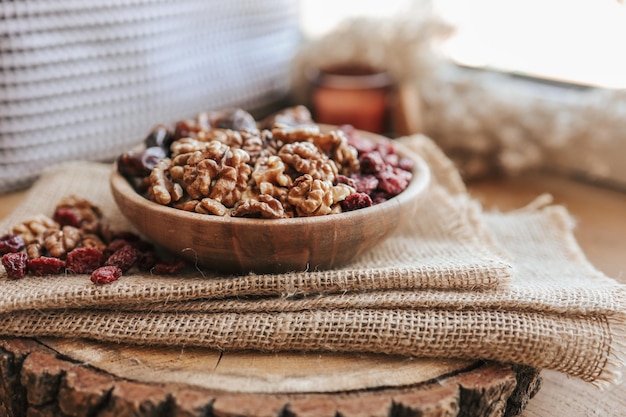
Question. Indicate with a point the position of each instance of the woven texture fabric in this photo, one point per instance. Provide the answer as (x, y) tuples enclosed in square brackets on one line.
[(88, 79), (425, 292)]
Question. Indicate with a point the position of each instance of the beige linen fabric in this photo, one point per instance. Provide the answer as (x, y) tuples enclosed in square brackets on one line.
[(453, 295)]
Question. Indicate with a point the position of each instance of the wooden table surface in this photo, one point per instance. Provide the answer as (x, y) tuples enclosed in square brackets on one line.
[(601, 232)]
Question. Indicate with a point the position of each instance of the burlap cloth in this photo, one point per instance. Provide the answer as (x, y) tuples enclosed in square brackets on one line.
[(458, 283)]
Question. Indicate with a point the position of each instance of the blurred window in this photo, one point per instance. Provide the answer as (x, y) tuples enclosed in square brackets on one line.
[(575, 41)]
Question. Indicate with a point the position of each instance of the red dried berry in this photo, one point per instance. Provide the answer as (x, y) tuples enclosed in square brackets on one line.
[(11, 243), (342, 179), (393, 180), (385, 149), (124, 258), (84, 260), (392, 159), (356, 201), (125, 235), (147, 260), (106, 274), (364, 183), (15, 264), (142, 245), (371, 162), (116, 244), (139, 244), (361, 144), (379, 197), (67, 216), (169, 267), (45, 266), (406, 164)]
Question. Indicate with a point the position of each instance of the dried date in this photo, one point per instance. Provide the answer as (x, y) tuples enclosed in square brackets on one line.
[(160, 136), (139, 163), (234, 119)]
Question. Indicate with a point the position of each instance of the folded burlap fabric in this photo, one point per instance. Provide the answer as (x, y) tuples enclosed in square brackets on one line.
[(510, 287)]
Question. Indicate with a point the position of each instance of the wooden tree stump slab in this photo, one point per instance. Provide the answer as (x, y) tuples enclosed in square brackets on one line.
[(51, 377)]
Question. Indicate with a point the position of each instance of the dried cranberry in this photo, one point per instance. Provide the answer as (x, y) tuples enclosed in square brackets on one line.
[(356, 201), (136, 242), (11, 243), (116, 244), (125, 235), (142, 245), (67, 216), (406, 164), (84, 260), (385, 149), (371, 162), (124, 258), (45, 266), (147, 260), (361, 144), (106, 274), (393, 180), (342, 179), (379, 197), (169, 267), (15, 263), (392, 159), (364, 183)]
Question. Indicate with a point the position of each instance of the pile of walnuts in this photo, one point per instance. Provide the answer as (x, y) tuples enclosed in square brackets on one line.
[(75, 240), (225, 163)]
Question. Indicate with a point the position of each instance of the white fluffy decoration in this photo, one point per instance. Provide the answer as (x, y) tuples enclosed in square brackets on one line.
[(485, 121)]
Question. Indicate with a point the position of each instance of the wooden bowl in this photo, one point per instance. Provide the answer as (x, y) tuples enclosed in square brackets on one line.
[(242, 245)]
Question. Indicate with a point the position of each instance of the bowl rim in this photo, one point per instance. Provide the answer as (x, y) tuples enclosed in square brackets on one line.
[(420, 181)]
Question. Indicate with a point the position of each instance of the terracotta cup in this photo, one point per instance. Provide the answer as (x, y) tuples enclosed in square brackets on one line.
[(351, 94)]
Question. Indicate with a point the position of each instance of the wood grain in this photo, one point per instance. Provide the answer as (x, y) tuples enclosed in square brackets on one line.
[(37, 381), (256, 372)]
